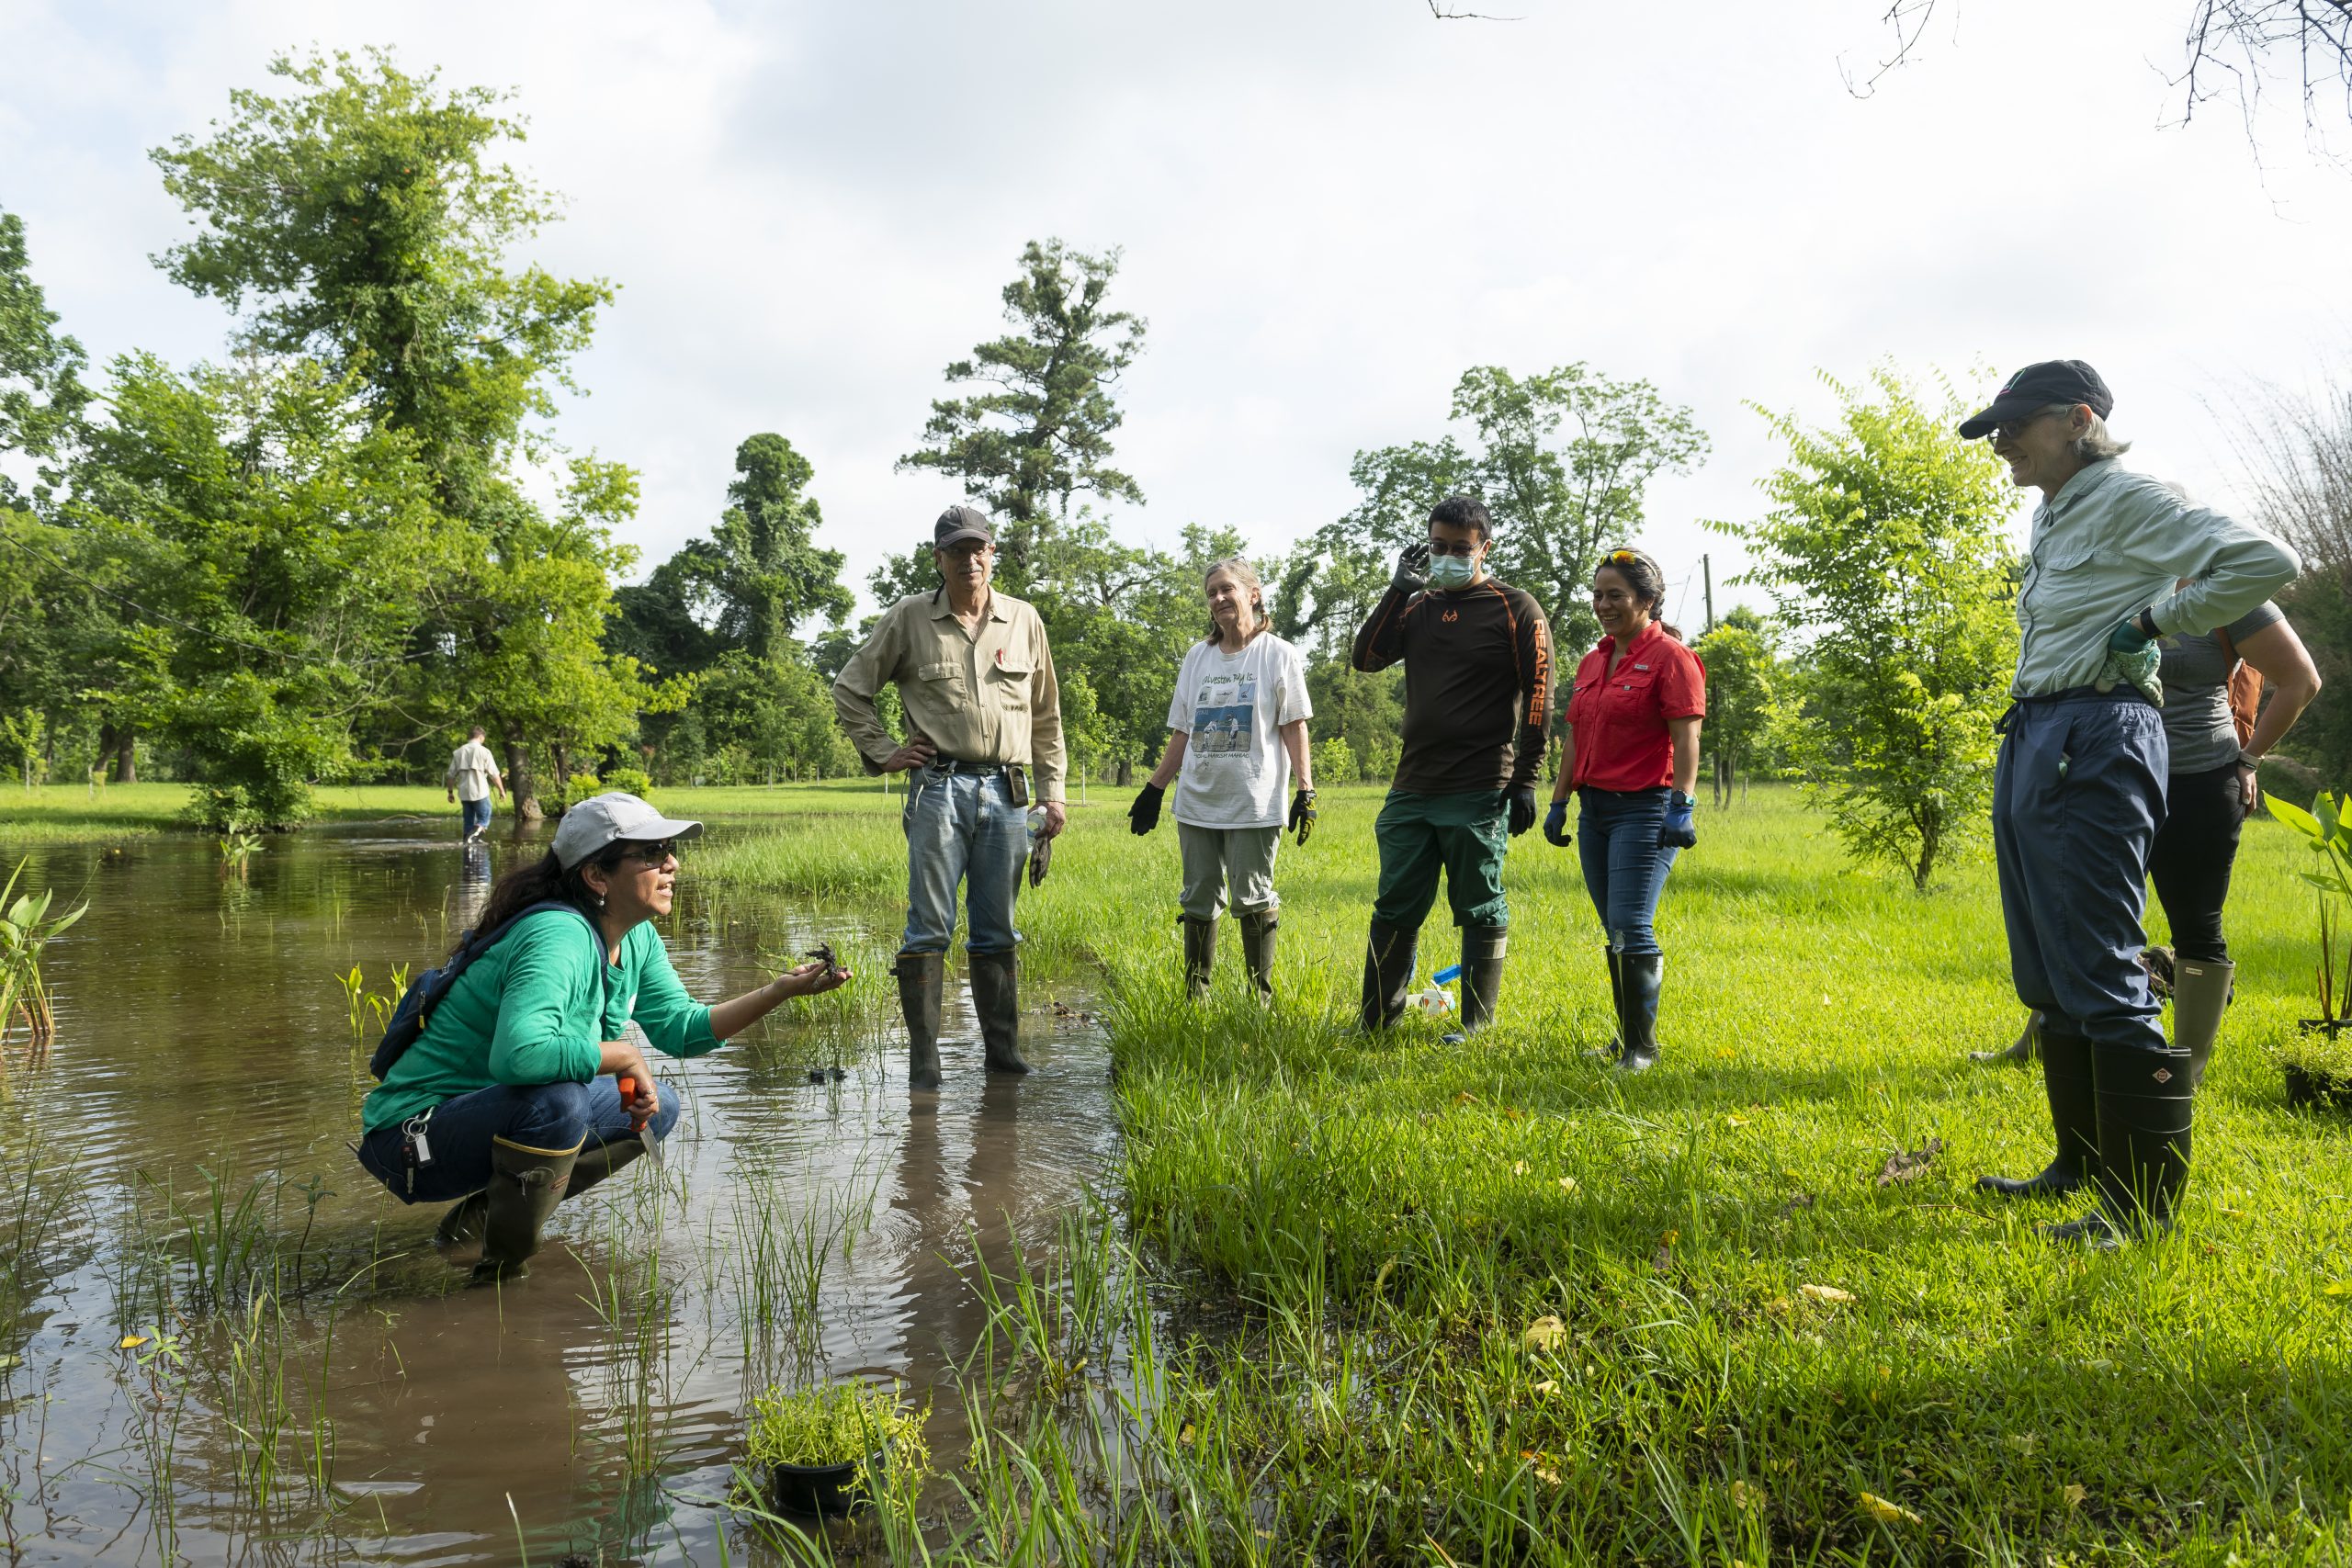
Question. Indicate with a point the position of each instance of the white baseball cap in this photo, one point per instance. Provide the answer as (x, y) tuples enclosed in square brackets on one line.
[(603, 820)]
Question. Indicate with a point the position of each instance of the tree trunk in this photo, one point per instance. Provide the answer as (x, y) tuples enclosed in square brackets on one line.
[(1127, 772), (562, 765), (518, 782)]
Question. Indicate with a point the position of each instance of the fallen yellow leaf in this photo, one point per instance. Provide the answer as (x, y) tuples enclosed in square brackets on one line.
[(1884, 1512), (1544, 1334), (133, 1342), (2075, 1496), (1547, 1386), (1825, 1294), (1735, 1121), (2024, 1442), (1568, 1184), (1519, 1168), (1745, 1498), (2336, 1288), (1184, 1434)]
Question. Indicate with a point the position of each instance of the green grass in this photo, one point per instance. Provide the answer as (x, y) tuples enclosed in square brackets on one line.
[(1502, 1306)]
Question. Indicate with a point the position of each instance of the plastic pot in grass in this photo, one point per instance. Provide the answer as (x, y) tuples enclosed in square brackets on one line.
[(2317, 1065), (826, 1450)]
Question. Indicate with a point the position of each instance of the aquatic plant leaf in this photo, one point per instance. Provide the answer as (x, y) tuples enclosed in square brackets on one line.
[(2295, 816)]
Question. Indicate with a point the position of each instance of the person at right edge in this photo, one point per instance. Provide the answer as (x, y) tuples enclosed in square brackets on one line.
[(1477, 660), (2079, 789)]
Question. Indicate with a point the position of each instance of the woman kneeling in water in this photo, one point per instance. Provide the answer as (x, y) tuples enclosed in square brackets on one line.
[(511, 1097)]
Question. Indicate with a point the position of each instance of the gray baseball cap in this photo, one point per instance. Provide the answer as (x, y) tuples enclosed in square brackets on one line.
[(603, 819), (960, 522)]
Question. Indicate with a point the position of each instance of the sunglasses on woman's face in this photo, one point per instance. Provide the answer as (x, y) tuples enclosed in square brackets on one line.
[(654, 854)]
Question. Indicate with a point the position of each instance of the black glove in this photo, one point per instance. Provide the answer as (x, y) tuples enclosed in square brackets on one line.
[(1412, 570), (1144, 814), (1677, 831), (1556, 825), (1302, 812), (1521, 798)]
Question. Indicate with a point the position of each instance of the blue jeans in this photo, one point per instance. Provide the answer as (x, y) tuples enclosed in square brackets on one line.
[(1624, 865), (475, 814), (962, 830), (2077, 797), (554, 1116)]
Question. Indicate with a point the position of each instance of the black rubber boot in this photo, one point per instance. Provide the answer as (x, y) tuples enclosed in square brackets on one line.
[(1641, 979), (525, 1184), (996, 997), (1482, 977), (2144, 1111), (463, 1222), (920, 977), (1258, 951), (598, 1161), (2025, 1048), (1200, 955), (2200, 994), (1388, 957), (2068, 1078)]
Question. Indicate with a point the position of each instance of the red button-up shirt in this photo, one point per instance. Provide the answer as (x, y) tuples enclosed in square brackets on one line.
[(1618, 716)]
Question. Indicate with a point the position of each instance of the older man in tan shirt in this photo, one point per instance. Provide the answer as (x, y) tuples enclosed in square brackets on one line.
[(984, 743)]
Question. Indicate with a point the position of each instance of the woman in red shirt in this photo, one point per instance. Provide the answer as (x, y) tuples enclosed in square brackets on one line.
[(1632, 755)]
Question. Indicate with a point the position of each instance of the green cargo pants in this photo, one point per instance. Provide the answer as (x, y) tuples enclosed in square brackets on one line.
[(1465, 835)]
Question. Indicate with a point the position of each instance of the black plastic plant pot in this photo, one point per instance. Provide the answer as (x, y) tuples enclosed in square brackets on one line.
[(830, 1491)]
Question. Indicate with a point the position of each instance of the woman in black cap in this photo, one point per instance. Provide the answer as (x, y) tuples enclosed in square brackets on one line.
[(2078, 793)]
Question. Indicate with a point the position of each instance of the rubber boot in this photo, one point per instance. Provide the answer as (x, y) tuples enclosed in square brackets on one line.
[(2144, 1106), (1258, 952), (1389, 958), (2068, 1078), (996, 997), (2025, 1048), (598, 1161), (1642, 976), (1482, 979), (1200, 955), (463, 1222), (525, 1184), (1616, 1046), (2200, 993), (920, 977)]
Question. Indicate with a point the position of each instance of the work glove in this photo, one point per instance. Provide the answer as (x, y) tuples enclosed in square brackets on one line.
[(1555, 826), (2127, 639), (1677, 831), (1521, 800), (1144, 814), (1302, 814), (1412, 570), (1041, 860)]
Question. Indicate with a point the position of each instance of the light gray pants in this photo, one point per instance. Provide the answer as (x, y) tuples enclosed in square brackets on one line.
[(1216, 857)]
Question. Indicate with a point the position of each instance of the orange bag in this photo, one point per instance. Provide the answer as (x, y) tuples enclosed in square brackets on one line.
[(2244, 688)]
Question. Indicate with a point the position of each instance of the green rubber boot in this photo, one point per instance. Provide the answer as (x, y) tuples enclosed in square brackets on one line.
[(2200, 994), (525, 1184), (1200, 955), (1258, 952)]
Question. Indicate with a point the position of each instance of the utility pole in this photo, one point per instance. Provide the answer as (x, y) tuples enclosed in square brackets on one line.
[(1707, 574)]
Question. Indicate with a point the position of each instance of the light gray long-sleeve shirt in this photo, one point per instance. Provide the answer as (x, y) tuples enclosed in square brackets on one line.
[(2113, 543)]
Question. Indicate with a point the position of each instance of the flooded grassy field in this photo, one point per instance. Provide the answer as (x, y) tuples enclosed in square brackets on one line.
[(221, 1341)]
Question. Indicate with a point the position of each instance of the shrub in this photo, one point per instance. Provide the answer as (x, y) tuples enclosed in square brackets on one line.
[(1335, 762), (635, 780)]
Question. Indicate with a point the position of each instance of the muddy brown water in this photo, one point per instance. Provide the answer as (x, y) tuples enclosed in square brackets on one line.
[(203, 1028)]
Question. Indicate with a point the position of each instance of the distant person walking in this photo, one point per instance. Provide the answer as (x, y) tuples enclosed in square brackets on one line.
[(472, 777), (1238, 732), (2079, 791), (1632, 758), (976, 682), (2217, 729), (1477, 658)]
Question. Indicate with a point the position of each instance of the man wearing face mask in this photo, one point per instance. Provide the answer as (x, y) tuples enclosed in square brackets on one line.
[(976, 682), (1477, 657)]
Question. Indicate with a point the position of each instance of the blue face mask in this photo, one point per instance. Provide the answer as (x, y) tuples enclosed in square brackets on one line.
[(1452, 571)]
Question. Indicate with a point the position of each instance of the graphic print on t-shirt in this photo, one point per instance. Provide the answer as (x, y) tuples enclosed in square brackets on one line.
[(1224, 714)]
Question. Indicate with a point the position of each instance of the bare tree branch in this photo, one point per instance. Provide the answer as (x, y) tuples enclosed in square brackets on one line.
[(1448, 14), (1909, 19)]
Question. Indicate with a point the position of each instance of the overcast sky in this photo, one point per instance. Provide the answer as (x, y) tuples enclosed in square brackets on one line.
[(1327, 211)]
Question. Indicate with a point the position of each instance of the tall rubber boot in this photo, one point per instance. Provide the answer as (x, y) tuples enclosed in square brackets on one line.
[(1258, 952), (1616, 1046), (525, 1184), (463, 1222), (1200, 955), (2025, 1048), (2144, 1112), (922, 975), (1389, 958), (1642, 977), (2068, 1078), (1482, 977), (598, 1161), (2200, 993), (996, 997)]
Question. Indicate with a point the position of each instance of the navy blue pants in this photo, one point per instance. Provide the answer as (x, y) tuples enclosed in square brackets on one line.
[(554, 1116), (2078, 798), (1624, 865)]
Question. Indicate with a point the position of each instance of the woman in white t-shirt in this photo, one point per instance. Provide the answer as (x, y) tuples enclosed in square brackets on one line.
[(1239, 732)]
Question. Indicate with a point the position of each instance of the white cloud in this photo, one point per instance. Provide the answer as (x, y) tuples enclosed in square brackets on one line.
[(1327, 209)]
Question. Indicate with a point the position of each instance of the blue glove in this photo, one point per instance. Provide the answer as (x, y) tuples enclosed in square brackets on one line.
[(1556, 825), (2128, 637), (1677, 831)]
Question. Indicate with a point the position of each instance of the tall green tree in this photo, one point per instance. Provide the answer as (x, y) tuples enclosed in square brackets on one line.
[(1041, 437), (1561, 458), (761, 568), (43, 397), (1886, 545)]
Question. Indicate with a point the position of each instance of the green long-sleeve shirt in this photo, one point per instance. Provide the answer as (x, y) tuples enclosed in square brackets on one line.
[(536, 1008)]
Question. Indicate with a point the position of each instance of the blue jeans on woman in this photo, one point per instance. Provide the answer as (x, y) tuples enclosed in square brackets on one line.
[(1624, 865), (554, 1116)]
